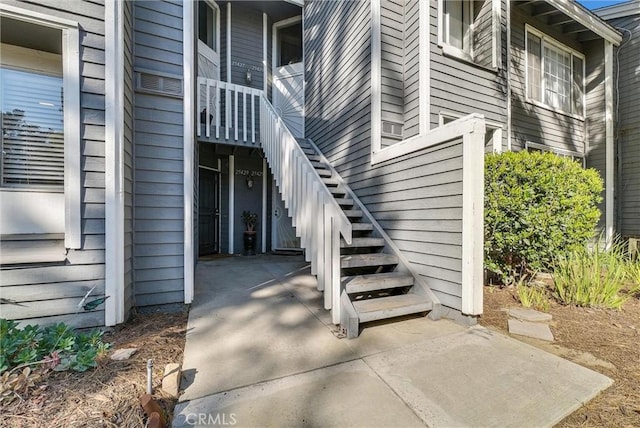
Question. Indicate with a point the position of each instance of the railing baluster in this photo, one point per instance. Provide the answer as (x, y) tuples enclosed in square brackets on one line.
[(227, 112), (253, 118), (207, 110), (198, 131), (244, 115), (218, 105), (235, 114)]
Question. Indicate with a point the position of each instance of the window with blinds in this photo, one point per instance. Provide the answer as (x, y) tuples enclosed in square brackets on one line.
[(32, 130)]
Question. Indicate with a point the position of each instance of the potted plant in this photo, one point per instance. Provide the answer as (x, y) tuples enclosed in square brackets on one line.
[(250, 221)]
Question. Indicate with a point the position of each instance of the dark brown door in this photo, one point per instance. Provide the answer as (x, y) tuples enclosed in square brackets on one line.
[(209, 212)]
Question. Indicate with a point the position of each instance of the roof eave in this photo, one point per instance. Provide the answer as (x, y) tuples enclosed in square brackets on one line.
[(588, 19)]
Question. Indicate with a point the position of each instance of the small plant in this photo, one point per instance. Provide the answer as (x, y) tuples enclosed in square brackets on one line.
[(531, 296), (592, 277), (537, 206), (250, 220)]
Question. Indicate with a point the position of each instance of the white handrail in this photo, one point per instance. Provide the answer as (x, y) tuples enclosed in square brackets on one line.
[(212, 111), (318, 219)]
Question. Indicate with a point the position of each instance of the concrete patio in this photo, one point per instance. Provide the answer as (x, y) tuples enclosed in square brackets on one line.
[(261, 351)]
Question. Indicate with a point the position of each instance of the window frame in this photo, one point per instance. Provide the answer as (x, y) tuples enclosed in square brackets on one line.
[(546, 40), (72, 135), (575, 155), (463, 55), (494, 128)]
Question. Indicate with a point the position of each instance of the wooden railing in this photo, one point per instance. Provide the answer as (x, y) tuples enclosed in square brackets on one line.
[(227, 111), (318, 219)]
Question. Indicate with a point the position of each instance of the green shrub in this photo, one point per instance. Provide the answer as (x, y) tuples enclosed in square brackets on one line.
[(592, 277), (537, 206), (58, 346)]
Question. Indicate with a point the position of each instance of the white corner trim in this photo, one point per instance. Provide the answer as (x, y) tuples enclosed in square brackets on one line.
[(232, 211), (229, 42), (265, 35), (189, 60), (472, 221), (496, 11), (376, 80), (263, 232), (424, 78), (114, 168), (609, 142), (507, 68)]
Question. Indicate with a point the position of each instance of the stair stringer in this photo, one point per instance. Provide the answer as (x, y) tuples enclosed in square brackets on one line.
[(420, 285)]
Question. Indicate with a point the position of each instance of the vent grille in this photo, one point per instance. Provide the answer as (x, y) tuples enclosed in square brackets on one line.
[(158, 84), (392, 129)]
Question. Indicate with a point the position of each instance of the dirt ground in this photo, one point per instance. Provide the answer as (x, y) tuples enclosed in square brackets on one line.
[(107, 396), (607, 341)]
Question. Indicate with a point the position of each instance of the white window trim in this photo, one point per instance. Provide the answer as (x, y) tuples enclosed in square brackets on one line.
[(492, 127), (71, 93), (556, 150), (451, 51), (548, 40)]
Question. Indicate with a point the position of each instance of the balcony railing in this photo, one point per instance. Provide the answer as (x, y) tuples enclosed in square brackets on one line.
[(228, 112)]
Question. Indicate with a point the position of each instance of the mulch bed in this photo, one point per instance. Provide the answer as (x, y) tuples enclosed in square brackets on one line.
[(609, 335), (107, 396)]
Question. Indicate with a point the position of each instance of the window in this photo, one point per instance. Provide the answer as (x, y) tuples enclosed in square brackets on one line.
[(492, 138), (576, 156), (290, 44), (208, 25), (555, 74), (40, 109), (470, 30)]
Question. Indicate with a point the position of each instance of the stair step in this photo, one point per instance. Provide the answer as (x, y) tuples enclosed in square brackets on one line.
[(308, 151), (330, 181), (362, 242), (337, 191), (314, 158), (361, 227), (389, 307), (324, 172), (344, 201), (353, 213), (380, 281), (367, 260)]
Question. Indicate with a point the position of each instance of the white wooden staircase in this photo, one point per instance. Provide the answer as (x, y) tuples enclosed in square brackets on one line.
[(362, 273)]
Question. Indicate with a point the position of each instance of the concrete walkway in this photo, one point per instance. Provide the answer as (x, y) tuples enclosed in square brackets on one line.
[(261, 351)]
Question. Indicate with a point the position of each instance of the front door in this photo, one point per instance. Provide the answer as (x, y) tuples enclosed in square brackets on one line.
[(288, 74), (209, 212)]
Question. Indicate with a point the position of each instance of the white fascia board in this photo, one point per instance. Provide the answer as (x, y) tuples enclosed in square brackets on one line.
[(620, 10), (588, 19)]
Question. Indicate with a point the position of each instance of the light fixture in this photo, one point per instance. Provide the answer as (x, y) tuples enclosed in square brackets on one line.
[(250, 182), (247, 76)]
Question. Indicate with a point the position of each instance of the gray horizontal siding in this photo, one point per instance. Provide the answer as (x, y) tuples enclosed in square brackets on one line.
[(416, 198), (628, 128), (158, 200), (463, 88), (531, 122), (50, 294), (246, 46)]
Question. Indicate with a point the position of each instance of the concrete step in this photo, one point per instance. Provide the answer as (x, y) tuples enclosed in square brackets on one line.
[(389, 307), (361, 227), (362, 243), (379, 281), (367, 260), (353, 213), (344, 202)]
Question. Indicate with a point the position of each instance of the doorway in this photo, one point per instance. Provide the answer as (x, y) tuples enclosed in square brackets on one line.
[(288, 74), (209, 212)]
